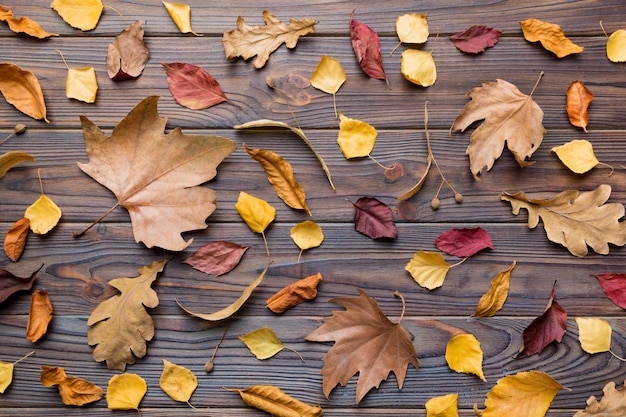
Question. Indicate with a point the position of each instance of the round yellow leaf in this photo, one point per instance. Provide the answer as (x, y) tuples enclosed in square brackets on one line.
[(356, 138), (443, 406), (81, 14), (428, 269), (418, 67), (43, 214), (307, 234), (616, 46), (177, 381), (81, 84), (463, 354), (412, 28), (577, 155), (594, 334), (125, 391), (257, 213), (329, 75)]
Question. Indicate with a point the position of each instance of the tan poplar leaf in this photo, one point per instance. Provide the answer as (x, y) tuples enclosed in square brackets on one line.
[(177, 381), (612, 404), (248, 41), (15, 239), (39, 316), (73, 391), (21, 88), (551, 37), (12, 158), (23, 24), (125, 391), (294, 294), (181, 15), (274, 401), (576, 219), (154, 175), (492, 301), (120, 326), (80, 14), (578, 99), (128, 54), (616, 46), (509, 116), (43, 215)]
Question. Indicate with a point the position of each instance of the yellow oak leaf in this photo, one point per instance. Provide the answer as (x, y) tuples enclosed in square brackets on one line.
[(21, 88), (12, 158), (356, 138), (80, 14), (73, 391), (81, 84), (6, 372), (125, 391), (594, 334), (577, 155), (257, 213), (412, 28), (23, 24), (328, 76), (443, 406), (463, 354), (419, 67), (578, 99), (181, 15), (525, 394), (613, 403), (307, 235), (616, 46), (43, 214), (428, 269), (551, 37), (492, 301), (274, 401), (177, 381)]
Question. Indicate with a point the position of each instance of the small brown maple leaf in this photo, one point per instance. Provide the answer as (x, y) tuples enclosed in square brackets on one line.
[(367, 342)]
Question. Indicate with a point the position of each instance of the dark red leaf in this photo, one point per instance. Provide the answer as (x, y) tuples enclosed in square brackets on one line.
[(10, 284), (614, 286), (545, 329), (373, 218), (217, 257), (192, 86), (366, 45), (463, 242), (475, 39)]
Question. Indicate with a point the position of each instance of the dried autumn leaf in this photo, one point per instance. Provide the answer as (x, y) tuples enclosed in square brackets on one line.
[(125, 391), (263, 343), (551, 37), (177, 381), (525, 394), (23, 24), (192, 86), (248, 41), (21, 88), (475, 39), (463, 354), (366, 46), (6, 372), (155, 176), (15, 239), (576, 219), (443, 406), (374, 219), (73, 391), (39, 316), (217, 257), (616, 46), (594, 334), (12, 158), (306, 235), (428, 269), (614, 286), (294, 294), (274, 401), (128, 54), (10, 284), (509, 116), (464, 242), (356, 139), (181, 15), (257, 213), (492, 301), (418, 67), (612, 404), (329, 75), (81, 84), (80, 14), (367, 342), (577, 155), (578, 99), (412, 28), (120, 325), (43, 215)]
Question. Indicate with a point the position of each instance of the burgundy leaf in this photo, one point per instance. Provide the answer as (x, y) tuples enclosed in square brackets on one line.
[(614, 286), (366, 45), (10, 284), (475, 39), (373, 218), (463, 242), (545, 329), (217, 257), (192, 86)]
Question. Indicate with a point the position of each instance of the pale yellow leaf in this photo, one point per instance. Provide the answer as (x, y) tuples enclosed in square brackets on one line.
[(463, 354), (443, 406), (274, 401), (177, 381), (181, 15), (307, 235), (6, 375), (81, 84), (328, 76), (263, 343), (428, 269), (81, 14), (125, 391), (412, 28), (356, 138), (577, 155), (594, 334), (11, 158), (43, 214), (419, 67), (616, 46), (257, 213), (551, 37), (492, 301)]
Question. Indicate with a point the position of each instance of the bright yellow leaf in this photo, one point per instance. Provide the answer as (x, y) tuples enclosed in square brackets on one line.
[(428, 269), (328, 76), (81, 14), (616, 46), (257, 213), (412, 28), (81, 84), (307, 235), (181, 15), (177, 381), (444, 406), (6, 375), (594, 334), (577, 155), (492, 301), (463, 354), (419, 67), (43, 214), (356, 138), (125, 391), (263, 343)]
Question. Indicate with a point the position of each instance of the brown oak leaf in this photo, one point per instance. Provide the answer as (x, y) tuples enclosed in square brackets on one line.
[(612, 404), (128, 54), (73, 391)]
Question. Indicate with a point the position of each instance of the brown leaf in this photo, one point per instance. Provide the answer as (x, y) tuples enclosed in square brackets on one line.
[(11, 158), (374, 219), (15, 239), (192, 86), (578, 99), (39, 316), (21, 88), (73, 391), (217, 257), (492, 301), (23, 24), (294, 294), (248, 41), (274, 401), (10, 284), (128, 54), (612, 404)]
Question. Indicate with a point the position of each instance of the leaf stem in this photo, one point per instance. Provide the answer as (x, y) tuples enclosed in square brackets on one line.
[(399, 294), (459, 262), (209, 365), (608, 166), (536, 83), (109, 211), (378, 163), (24, 357), (448, 328), (40, 183), (296, 352), (603, 31), (63, 58), (616, 356), (267, 249)]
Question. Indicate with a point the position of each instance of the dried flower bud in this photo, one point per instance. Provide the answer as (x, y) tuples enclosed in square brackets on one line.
[(19, 128), (208, 367), (434, 203), (458, 197)]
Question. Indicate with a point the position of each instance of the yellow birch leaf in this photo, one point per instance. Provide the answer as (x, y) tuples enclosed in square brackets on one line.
[(307, 235), (11, 158), (551, 37), (80, 14), (412, 28), (492, 301), (81, 84), (616, 46), (443, 406), (181, 15), (328, 76), (419, 67), (525, 394), (43, 214), (125, 391), (21, 88), (428, 269), (577, 155), (257, 213), (6, 372), (177, 381), (274, 401), (594, 334), (356, 138), (463, 354), (263, 343)]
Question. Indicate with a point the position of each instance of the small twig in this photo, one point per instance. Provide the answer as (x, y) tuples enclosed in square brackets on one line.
[(79, 234)]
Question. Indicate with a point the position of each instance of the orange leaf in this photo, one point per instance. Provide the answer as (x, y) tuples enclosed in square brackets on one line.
[(551, 37), (294, 294), (23, 24), (15, 240), (21, 88), (73, 391), (39, 316), (492, 301), (578, 99)]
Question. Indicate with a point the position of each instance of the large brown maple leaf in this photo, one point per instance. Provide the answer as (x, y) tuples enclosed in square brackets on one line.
[(367, 342), (154, 175)]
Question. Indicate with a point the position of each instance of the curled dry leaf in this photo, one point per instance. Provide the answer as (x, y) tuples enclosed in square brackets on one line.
[(577, 155), (177, 381), (594, 334), (578, 99), (464, 242), (10, 159), (366, 46), (217, 258), (492, 301), (192, 86), (181, 15), (551, 37), (125, 391), (15, 239), (73, 391), (128, 54), (443, 406), (274, 401), (464, 354), (614, 286), (39, 316), (21, 88), (294, 294), (612, 404), (475, 39), (43, 215), (356, 139), (23, 24), (10, 284), (83, 14), (418, 67), (616, 46), (374, 219), (428, 269)]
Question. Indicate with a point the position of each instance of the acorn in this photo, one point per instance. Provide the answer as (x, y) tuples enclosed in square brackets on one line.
[(434, 203)]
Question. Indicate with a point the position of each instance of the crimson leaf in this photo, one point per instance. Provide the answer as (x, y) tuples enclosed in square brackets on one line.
[(217, 257), (373, 218), (475, 39), (366, 45), (192, 86), (10, 284), (614, 286), (463, 242)]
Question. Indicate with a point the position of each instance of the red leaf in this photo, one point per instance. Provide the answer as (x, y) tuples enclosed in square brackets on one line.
[(10, 284), (475, 39), (463, 242), (614, 286), (545, 329), (366, 45), (192, 86), (217, 257), (373, 218)]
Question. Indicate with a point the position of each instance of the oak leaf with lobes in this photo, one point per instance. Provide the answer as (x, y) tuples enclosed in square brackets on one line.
[(612, 404), (154, 175)]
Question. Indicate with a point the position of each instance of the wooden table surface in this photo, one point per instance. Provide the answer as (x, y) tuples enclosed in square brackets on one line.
[(76, 271)]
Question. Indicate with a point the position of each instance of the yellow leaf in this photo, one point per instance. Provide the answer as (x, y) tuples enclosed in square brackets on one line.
[(463, 354), (551, 37), (274, 401), (419, 67), (594, 334), (428, 269), (125, 391), (181, 15), (11, 158), (177, 381), (43, 214), (492, 301), (307, 235), (444, 406), (328, 76), (616, 46), (356, 138), (577, 155), (6, 372), (263, 343), (257, 213), (412, 28), (80, 14), (525, 394), (81, 84)]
